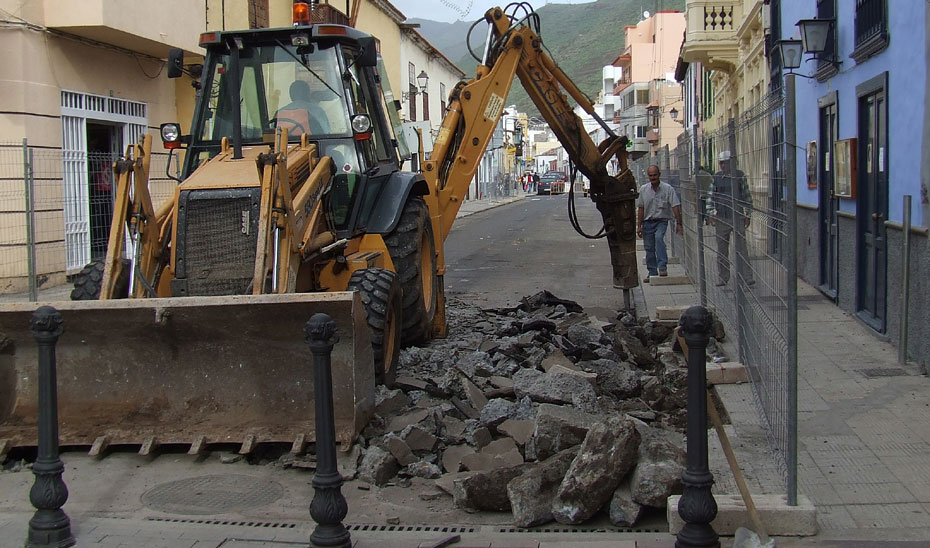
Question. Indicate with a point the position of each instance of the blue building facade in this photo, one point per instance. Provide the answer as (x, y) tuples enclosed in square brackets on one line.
[(862, 140)]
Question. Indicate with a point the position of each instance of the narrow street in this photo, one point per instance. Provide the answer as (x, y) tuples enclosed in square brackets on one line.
[(497, 256)]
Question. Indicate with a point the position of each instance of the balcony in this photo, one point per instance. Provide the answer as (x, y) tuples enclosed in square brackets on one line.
[(325, 13), (711, 36), (133, 26)]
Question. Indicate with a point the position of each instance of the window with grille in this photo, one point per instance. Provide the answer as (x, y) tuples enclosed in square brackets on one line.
[(826, 9), (871, 29)]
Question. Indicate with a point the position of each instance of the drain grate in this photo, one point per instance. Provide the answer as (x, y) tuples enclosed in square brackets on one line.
[(411, 528), (588, 531), (256, 524), (216, 494), (884, 372)]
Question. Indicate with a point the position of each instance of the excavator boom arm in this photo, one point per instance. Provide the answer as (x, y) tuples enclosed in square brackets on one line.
[(475, 108)]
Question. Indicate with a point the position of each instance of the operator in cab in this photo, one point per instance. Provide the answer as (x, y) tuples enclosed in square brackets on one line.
[(302, 115)]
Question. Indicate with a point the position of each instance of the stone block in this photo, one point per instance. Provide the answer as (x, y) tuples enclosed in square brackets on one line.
[(714, 374), (779, 518), (669, 280), (670, 312), (734, 372)]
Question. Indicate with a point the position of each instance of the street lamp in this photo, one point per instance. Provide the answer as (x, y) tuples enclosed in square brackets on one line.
[(814, 34), (790, 53), (422, 81)]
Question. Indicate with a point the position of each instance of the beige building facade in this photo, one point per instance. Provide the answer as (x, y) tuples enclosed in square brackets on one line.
[(728, 39)]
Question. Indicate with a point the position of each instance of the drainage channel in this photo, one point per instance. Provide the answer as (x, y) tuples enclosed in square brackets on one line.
[(463, 529)]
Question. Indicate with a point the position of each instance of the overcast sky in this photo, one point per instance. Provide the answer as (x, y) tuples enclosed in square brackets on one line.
[(450, 11)]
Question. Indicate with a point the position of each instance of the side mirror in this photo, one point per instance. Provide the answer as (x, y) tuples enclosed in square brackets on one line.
[(175, 63), (368, 56)]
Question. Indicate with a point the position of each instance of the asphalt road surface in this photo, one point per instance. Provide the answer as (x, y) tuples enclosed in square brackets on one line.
[(497, 256)]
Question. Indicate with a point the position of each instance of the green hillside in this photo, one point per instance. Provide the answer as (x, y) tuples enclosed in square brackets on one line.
[(580, 38)]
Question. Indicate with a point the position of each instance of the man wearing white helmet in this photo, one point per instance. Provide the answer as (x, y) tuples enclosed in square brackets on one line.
[(730, 207)]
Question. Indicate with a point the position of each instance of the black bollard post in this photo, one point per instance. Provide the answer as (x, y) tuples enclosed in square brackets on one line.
[(328, 507), (697, 506), (49, 526)]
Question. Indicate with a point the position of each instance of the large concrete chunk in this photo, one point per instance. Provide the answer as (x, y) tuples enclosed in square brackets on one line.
[(558, 427), (606, 456), (623, 510), (560, 385), (657, 474), (378, 466), (485, 490), (531, 494)]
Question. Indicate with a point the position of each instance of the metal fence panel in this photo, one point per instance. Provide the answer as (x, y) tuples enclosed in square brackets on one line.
[(55, 206), (741, 261)]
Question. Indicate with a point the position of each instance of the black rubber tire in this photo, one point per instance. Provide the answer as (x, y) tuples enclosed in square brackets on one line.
[(380, 293), (414, 255), (89, 280)]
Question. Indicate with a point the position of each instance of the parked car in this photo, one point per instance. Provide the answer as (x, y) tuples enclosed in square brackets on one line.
[(551, 182)]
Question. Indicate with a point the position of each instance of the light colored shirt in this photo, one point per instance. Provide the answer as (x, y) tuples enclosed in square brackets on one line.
[(657, 204)]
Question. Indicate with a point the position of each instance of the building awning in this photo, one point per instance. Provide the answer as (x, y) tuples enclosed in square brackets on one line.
[(653, 104)]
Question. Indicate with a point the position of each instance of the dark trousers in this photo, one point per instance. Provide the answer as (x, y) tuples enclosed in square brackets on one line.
[(723, 229)]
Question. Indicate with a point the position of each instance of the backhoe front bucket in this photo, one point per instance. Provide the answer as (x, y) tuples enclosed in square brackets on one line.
[(189, 370)]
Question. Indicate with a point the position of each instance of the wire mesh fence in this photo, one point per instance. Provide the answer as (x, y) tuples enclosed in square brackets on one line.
[(55, 209), (734, 189)]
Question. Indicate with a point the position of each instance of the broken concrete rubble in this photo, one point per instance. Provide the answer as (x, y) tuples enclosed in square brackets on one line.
[(606, 455), (538, 408), (531, 493)]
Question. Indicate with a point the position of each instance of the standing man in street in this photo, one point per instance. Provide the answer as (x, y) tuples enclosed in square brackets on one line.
[(729, 209), (655, 205)]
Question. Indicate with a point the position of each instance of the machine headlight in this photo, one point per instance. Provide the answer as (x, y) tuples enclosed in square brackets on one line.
[(361, 123), (171, 135)]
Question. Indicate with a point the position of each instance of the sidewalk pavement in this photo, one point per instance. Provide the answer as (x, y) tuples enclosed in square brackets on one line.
[(863, 425), (864, 441), (470, 207)]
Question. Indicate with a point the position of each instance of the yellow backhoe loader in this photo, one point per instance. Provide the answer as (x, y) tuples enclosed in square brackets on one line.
[(291, 201)]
